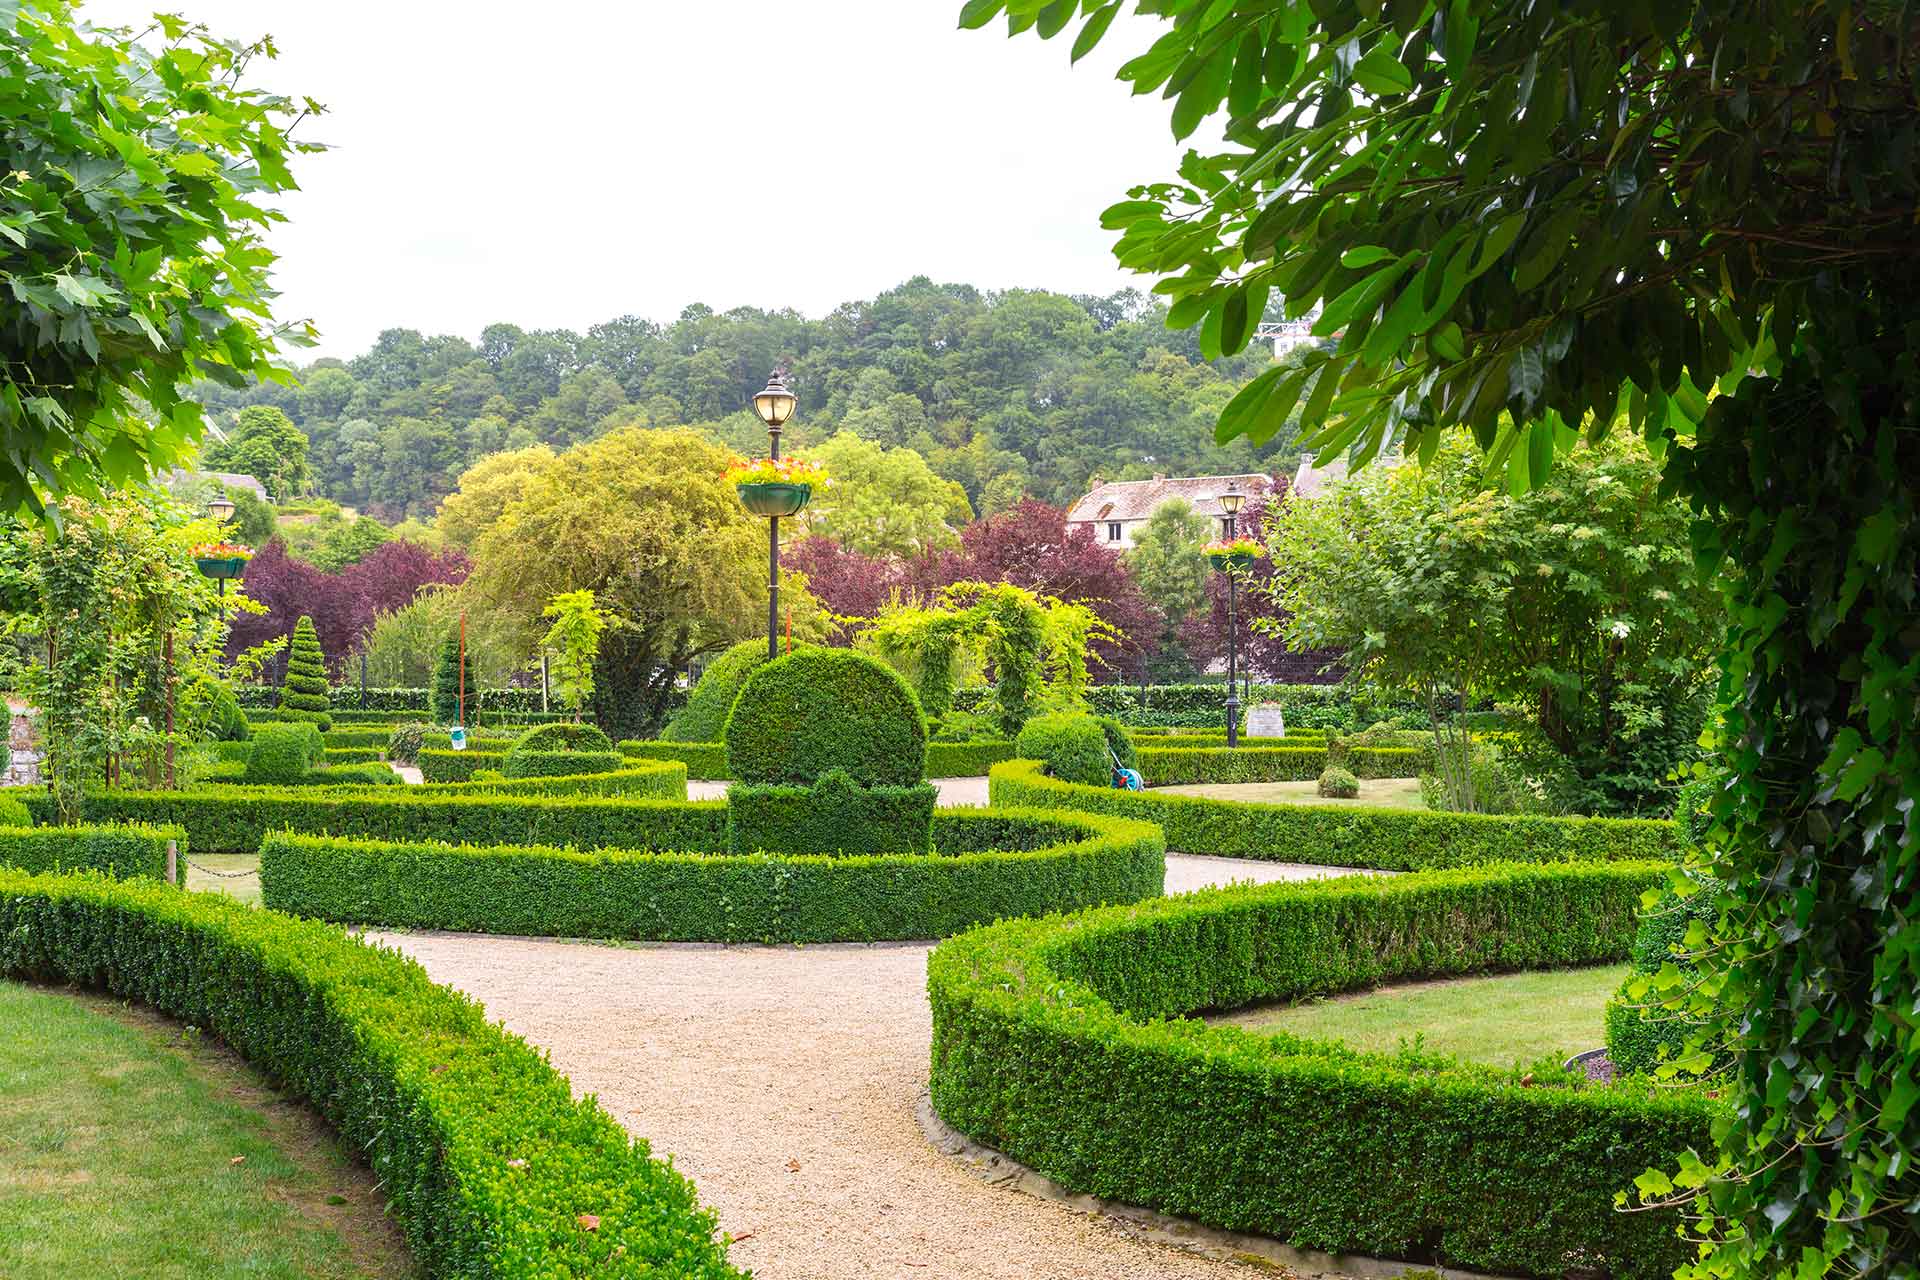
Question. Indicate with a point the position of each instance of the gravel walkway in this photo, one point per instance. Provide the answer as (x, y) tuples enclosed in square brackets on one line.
[(784, 1080)]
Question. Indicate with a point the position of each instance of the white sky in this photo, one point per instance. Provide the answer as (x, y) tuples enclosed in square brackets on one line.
[(562, 163)]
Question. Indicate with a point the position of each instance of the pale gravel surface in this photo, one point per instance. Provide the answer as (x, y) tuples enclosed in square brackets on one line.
[(744, 1062)]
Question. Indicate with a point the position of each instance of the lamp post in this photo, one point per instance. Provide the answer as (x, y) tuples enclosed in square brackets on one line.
[(1230, 502), (775, 406), (221, 509)]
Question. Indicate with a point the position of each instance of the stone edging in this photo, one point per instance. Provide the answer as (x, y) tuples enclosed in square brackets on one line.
[(1177, 1233)]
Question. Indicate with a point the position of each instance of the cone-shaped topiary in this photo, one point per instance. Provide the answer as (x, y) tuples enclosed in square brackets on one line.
[(303, 695), (444, 700)]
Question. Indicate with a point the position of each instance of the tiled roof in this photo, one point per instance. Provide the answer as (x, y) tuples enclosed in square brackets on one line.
[(1137, 499)]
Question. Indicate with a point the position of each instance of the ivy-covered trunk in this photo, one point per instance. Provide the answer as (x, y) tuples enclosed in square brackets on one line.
[(1812, 482)]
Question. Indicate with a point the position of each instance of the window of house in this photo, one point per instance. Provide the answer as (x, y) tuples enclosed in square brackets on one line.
[(1113, 531)]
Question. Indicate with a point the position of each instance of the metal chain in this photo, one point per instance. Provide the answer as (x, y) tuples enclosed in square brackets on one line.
[(224, 875)]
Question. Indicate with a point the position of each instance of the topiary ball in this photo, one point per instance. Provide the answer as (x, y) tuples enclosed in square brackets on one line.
[(820, 709), (1073, 748), (564, 737), (1339, 784)]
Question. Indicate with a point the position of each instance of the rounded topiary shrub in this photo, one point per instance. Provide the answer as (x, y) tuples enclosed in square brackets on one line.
[(303, 694), (1339, 784), (1073, 747), (704, 718), (564, 737), (283, 752), (820, 709)]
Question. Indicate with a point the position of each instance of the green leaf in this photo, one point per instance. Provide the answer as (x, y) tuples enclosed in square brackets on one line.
[(1447, 342), (1382, 73), (1366, 255), (1095, 27), (978, 13)]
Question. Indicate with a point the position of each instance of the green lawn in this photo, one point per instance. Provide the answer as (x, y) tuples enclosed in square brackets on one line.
[(130, 1147), (1513, 1018), (244, 887), (1386, 793)]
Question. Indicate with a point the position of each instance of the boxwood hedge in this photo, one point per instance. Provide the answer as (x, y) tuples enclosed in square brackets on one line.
[(1266, 760), (819, 709), (1050, 1043), (455, 766), (989, 864), (835, 816), (708, 760), (1385, 839), (520, 763), (126, 850), (484, 1156)]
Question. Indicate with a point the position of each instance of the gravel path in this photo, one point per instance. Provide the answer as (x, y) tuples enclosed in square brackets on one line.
[(783, 1080)]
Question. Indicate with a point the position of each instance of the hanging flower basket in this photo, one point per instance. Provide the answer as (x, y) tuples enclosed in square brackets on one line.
[(1232, 555), (221, 559), (770, 487)]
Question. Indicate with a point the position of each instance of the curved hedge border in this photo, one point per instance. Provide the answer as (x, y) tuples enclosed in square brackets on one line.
[(1172, 766), (1383, 839), (485, 1158), (990, 864), (708, 760), (1048, 1045), (118, 850), (456, 766)]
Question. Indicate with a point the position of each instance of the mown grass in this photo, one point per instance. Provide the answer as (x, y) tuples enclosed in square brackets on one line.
[(1515, 1018), (1385, 793), (129, 1147)]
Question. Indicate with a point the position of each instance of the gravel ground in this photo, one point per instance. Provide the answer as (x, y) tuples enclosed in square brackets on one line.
[(783, 1080)]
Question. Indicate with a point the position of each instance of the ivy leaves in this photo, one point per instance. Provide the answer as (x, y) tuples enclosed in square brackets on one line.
[(130, 243)]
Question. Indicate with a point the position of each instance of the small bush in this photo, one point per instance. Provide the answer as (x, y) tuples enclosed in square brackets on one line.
[(211, 703), (564, 737), (1338, 784), (1640, 1033), (404, 743), (521, 763), (13, 813), (704, 718), (303, 694), (705, 760), (820, 709), (282, 753), (833, 816), (458, 766), (1072, 747)]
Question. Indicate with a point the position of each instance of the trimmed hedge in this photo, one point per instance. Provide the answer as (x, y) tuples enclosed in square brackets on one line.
[(992, 864), (704, 718), (834, 816), (522, 763), (116, 850), (483, 1155), (409, 704), (456, 766), (1049, 1044), (351, 755), (708, 760), (1264, 760), (283, 753), (490, 717), (303, 694), (704, 760), (966, 759), (1073, 748), (568, 736), (234, 819), (819, 709), (1385, 839), (335, 777)]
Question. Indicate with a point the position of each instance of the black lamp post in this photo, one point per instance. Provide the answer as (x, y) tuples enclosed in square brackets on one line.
[(775, 406), (1230, 502), (221, 509)]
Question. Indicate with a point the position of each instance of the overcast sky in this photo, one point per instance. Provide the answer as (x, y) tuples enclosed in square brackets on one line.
[(561, 163)]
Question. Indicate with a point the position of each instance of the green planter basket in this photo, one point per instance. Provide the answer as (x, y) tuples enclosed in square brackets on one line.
[(1235, 561), (222, 566), (777, 498)]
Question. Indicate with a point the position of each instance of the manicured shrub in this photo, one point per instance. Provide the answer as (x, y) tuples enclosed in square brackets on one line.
[(457, 766), (564, 737), (485, 1158), (522, 763), (990, 865), (115, 850), (303, 694), (1119, 742), (708, 760), (282, 753), (966, 759), (819, 709), (1387, 839), (452, 672), (834, 816), (1338, 784), (13, 813), (1071, 747), (705, 760), (704, 718), (617, 809), (1062, 1043), (404, 743), (1174, 766)]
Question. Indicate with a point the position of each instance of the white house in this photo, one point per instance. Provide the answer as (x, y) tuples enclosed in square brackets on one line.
[(1116, 511)]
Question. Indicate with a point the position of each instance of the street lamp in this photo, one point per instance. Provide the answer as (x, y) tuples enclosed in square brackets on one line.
[(221, 509), (1230, 502), (217, 567), (774, 404)]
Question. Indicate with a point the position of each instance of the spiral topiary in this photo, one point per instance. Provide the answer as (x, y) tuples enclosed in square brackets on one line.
[(819, 709), (303, 694)]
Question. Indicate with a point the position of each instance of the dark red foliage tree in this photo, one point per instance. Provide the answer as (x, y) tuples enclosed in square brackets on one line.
[(851, 584), (343, 605), (1031, 546)]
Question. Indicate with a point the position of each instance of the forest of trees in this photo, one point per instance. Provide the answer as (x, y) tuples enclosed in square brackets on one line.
[(1005, 394)]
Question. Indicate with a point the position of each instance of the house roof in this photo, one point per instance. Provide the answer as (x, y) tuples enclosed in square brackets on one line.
[(1310, 480), (1138, 499), (226, 480)]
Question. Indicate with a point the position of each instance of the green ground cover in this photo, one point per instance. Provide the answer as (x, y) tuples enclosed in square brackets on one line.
[(129, 1147), (1511, 1020)]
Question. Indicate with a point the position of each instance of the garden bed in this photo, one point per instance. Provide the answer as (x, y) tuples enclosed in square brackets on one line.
[(1051, 1043)]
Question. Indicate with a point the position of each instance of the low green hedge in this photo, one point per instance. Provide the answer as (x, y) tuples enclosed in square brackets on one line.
[(521, 763), (456, 766), (833, 816), (350, 755), (1264, 760), (708, 760), (491, 719), (635, 779), (991, 864), (1072, 747), (282, 753), (483, 1155), (125, 850), (1050, 1043), (1386, 839), (234, 819)]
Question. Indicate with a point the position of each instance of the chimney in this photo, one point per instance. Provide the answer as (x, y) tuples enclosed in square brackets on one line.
[(1159, 475), (1097, 481)]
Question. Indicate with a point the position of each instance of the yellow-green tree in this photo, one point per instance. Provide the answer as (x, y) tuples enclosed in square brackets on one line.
[(884, 501)]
